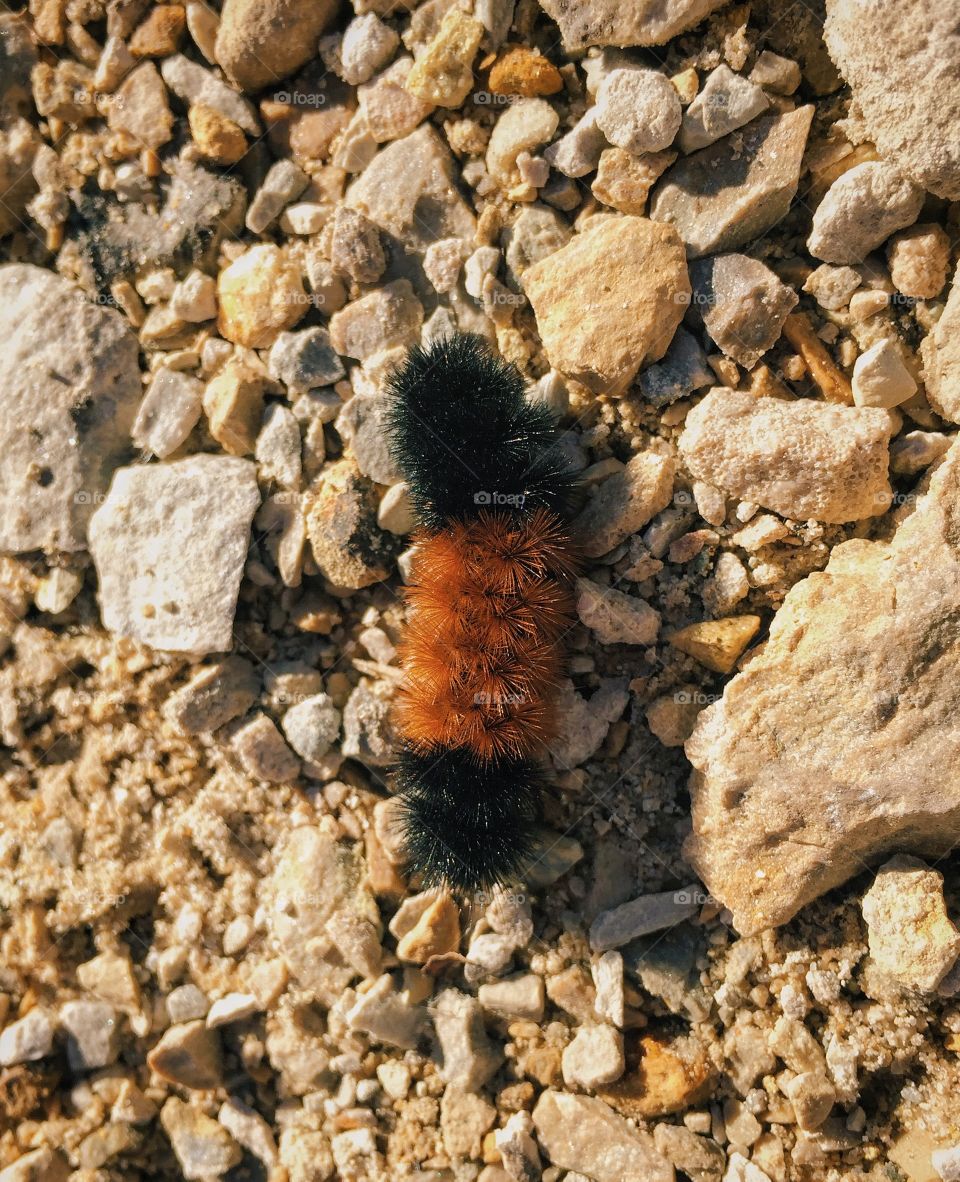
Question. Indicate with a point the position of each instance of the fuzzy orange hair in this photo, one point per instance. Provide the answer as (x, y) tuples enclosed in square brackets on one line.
[(489, 603)]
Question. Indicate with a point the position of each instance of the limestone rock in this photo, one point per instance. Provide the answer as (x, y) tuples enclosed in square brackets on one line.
[(624, 181), (188, 1054), (319, 880), (858, 770), (523, 127), (583, 1134), (911, 938), (608, 22), (69, 391), (940, 352), (469, 1058), (801, 459), (719, 200), (664, 1074), (725, 102), (408, 190), (602, 332), (718, 644), (260, 294), (860, 211), (203, 1148), (140, 108), (169, 544), (919, 259), (215, 694), (648, 913), (593, 1057), (28, 1038), (385, 318), (18, 147), (436, 932), (881, 377), (901, 67), (743, 304), (442, 74), (638, 110), (582, 725), (614, 617), (168, 413), (261, 41)]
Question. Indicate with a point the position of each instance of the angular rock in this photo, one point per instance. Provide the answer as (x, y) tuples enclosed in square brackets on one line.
[(583, 1134), (363, 424), (348, 545), (367, 731), (625, 502), (898, 65), (203, 1148), (911, 938), (39, 1165), (304, 360), (140, 109), (318, 880), (665, 1073), (725, 102), (28, 1038), (860, 211), (260, 294), (718, 644), (701, 1158), (880, 376), (683, 370), (602, 334), (386, 318), (582, 727), (311, 726), (469, 1058), (593, 1057), (608, 22), (169, 544), (743, 304), (214, 695), (284, 182), (616, 618), (516, 997), (261, 41), (170, 410), (442, 73), (523, 127), (262, 752), (940, 353), (408, 190), (624, 181), (919, 260), (801, 459), (69, 392), (189, 1055), (578, 152), (648, 913), (719, 200), (386, 1016), (857, 772), (93, 1034)]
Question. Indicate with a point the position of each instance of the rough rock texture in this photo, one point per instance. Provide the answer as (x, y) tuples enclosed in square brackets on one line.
[(583, 1134), (802, 459), (262, 41), (940, 353), (861, 210), (169, 543), (69, 392), (719, 200), (901, 64), (828, 749), (610, 300), (608, 22), (743, 304)]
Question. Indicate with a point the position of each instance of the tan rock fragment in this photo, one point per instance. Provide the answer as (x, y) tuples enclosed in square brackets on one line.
[(436, 932), (718, 644), (442, 73), (260, 294), (233, 403)]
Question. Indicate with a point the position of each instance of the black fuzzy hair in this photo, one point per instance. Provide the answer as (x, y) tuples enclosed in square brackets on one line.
[(466, 438), (466, 823)]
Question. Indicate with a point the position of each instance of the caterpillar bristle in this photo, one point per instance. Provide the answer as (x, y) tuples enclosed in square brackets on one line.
[(466, 823), (489, 602)]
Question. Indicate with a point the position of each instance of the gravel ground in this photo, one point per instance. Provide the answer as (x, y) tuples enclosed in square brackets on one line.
[(718, 241)]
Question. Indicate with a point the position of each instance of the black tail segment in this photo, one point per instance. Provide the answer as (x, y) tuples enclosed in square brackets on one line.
[(467, 824), (466, 438)]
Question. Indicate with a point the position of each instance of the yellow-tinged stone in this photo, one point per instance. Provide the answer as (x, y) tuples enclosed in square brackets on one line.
[(686, 84), (233, 403), (717, 643), (442, 74), (624, 180), (435, 933), (217, 138), (523, 71), (663, 1075), (259, 295)]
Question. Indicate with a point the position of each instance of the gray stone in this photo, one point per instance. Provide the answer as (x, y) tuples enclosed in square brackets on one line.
[(582, 1133), (719, 200), (355, 248), (899, 65), (215, 694), (188, 1054), (802, 459), (311, 726), (665, 963), (725, 102), (832, 286), (582, 725), (625, 502), (578, 151), (683, 369), (363, 424), (858, 770), (93, 1034), (277, 450), (609, 22), (408, 190), (469, 1057), (743, 304), (187, 1004), (170, 410), (69, 392), (593, 1057), (700, 1158), (28, 1038), (304, 360), (639, 917), (262, 751), (386, 318), (284, 183), (614, 617), (860, 211), (341, 512), (386, 1017), (638, 110), (40, 1165), (169, 543), (367, 734)]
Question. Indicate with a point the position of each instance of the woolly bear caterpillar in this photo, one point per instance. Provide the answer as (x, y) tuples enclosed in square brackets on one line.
[(489, 603)]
